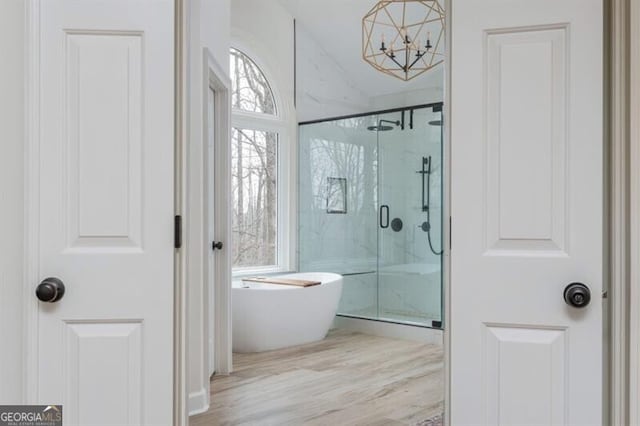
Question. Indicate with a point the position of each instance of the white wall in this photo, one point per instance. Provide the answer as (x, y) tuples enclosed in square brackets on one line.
[(209, 28), (11, 199), (215, 22), (264, 31)]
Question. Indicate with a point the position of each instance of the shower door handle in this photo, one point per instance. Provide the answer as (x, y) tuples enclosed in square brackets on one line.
[(385, 224)]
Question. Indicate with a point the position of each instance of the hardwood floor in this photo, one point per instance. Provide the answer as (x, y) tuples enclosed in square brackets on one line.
[(347, 379)]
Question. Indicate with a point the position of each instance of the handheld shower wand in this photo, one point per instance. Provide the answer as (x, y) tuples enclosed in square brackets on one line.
[(426, 226)]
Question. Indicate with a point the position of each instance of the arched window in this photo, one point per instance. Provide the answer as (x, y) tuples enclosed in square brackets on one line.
[(251, 90), (256, 174)]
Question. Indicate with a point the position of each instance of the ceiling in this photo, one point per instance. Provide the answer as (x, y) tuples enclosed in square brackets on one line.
[(336, 25)]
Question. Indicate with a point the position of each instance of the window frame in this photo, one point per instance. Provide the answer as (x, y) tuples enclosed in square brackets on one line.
[(275, 123)]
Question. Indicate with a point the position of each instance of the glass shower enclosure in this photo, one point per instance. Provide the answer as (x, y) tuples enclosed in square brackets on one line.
[(370, 208)]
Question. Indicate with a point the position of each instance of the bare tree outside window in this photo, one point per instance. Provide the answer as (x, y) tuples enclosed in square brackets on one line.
[(251, 91), (254, 170)]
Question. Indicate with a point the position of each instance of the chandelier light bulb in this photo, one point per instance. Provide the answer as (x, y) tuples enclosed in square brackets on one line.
[(404, 35), (428, 45), (416, 46)]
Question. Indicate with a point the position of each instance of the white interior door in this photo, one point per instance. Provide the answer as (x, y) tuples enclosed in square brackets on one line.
[(106, 170), (526, 204), (210, 219)]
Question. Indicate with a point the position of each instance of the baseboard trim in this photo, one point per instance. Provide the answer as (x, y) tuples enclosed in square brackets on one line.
[(198, 402), (392, 330)]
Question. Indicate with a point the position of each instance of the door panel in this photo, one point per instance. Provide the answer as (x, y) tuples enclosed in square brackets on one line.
[(117, 349), (526, 204), (104, 101), (106, 209), (527, 140), (543, 350)]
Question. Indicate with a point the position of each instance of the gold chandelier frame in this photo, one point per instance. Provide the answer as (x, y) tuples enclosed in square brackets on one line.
[(410, 59)]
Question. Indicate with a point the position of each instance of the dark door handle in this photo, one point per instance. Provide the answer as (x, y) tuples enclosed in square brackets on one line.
[(577, 295), (384, 225), (216, 245), (50, 290)]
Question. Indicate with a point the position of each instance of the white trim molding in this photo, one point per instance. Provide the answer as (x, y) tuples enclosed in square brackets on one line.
[(181, 118), (198, 402), (633, 91), (616, 211)]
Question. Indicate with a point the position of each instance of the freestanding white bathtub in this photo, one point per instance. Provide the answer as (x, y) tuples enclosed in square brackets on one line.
[(272, 316)]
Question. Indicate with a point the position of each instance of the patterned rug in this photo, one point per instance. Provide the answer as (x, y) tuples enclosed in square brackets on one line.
[(433, 421)]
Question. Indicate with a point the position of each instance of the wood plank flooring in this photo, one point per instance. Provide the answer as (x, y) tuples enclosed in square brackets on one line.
[(347, 379)]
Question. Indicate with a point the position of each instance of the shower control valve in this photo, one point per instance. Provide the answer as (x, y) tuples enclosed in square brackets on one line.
[(426, 226)]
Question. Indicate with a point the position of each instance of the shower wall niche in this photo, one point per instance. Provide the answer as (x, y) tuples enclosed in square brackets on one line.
[(370, 199)]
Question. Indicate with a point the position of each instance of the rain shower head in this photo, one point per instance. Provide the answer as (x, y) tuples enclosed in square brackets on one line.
[(381, 128)]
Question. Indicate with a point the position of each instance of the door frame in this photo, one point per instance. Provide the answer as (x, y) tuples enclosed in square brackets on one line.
[(181, 136), (632, 95), (622, 208), (217, 80), (616, 209)]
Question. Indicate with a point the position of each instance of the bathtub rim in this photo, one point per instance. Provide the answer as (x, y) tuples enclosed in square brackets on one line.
[(236, 282)]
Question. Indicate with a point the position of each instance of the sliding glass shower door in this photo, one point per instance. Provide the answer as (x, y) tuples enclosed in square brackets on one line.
[(370, 208)]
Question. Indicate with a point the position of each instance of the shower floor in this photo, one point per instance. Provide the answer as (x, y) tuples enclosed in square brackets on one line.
[(347, 379)]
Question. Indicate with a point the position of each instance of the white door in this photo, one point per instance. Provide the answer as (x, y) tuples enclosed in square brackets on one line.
[(210, 221), (105, 350), (526, 205)]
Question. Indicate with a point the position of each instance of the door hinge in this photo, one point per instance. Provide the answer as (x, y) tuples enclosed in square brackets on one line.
[(177, 231)]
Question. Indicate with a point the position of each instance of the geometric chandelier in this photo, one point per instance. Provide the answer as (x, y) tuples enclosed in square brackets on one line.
[(404, 38)]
